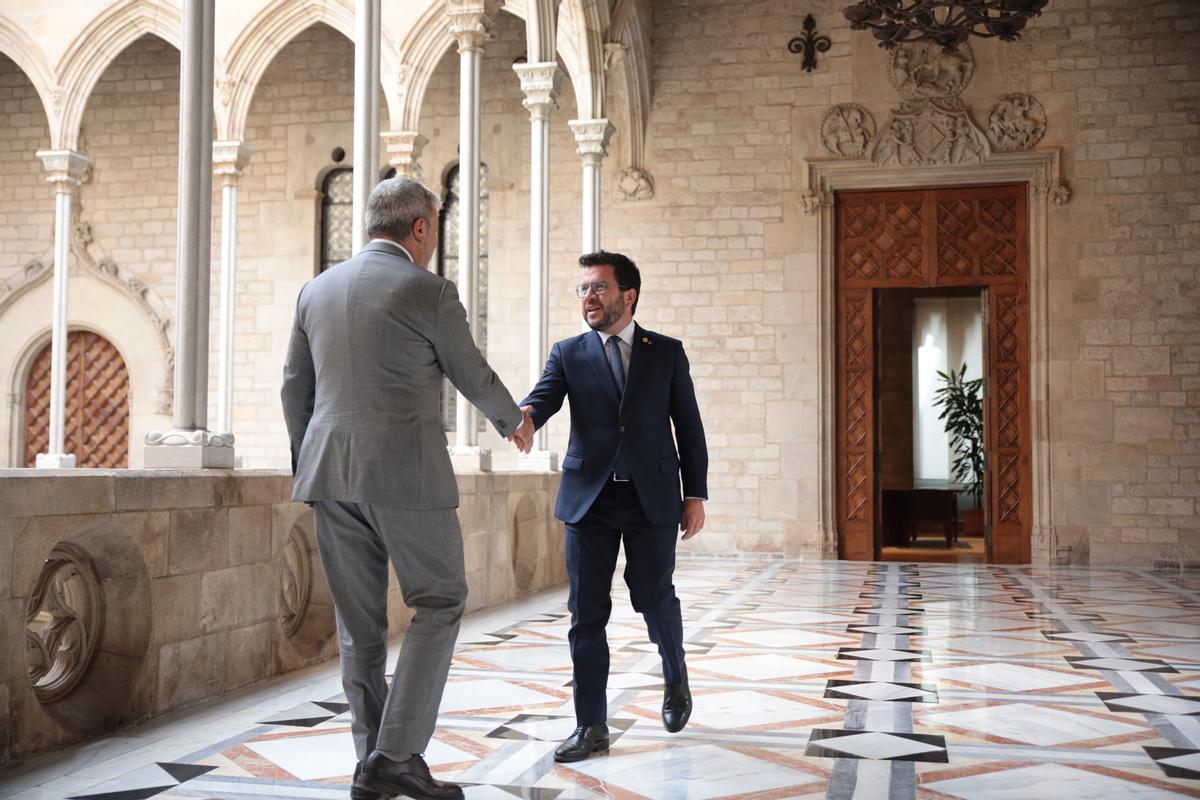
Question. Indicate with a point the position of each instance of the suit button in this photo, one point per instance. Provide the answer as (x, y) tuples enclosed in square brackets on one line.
[(621, 429)]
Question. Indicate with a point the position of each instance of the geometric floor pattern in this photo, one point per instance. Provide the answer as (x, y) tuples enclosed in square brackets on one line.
[(810, 680)]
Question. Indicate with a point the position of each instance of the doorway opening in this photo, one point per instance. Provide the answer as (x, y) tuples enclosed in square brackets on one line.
[(932, 249), (929, 370)]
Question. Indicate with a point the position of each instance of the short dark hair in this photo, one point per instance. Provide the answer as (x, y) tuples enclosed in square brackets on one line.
[(625, 270)]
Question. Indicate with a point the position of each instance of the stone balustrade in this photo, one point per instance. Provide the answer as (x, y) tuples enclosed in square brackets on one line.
[(129, 594)]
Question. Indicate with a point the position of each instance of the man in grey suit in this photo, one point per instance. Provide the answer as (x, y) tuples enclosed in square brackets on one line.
[(373, 338)]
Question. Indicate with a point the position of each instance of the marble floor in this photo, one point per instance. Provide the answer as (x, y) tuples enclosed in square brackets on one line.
[(811, 680)]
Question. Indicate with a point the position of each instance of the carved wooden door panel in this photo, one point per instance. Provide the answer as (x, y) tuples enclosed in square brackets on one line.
[(980, 236), (1009, 470), (856, 425), (97, 404), (882, 239)]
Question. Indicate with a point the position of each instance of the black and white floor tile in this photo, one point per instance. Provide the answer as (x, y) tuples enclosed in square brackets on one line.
[(811, 680)]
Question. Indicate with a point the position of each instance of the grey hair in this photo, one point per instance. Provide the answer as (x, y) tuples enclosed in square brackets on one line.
[(395, 204)]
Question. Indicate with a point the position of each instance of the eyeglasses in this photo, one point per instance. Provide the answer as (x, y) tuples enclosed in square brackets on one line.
[(600, 287)]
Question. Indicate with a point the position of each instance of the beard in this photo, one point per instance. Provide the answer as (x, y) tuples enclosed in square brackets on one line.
[(612, 313)]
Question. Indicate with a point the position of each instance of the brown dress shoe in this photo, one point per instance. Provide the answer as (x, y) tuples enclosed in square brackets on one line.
[(410, 778)]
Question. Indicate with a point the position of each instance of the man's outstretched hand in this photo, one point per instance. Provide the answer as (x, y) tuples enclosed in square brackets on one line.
[(693, 517), (523, 436)]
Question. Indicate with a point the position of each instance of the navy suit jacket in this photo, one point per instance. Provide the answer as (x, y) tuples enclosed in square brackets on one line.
[(658, 391)]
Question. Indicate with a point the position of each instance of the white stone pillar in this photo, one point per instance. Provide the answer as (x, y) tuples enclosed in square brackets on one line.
[(469, 24), (541, 83), (591, 143), (403, 150), (366, 112), (66, 170), (229, 159), (189, 444)]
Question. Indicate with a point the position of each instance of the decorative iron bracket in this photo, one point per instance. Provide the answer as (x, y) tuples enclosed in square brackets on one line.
[(809, 44)]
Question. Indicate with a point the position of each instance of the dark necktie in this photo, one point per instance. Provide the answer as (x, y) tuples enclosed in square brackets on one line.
[(613, 348)]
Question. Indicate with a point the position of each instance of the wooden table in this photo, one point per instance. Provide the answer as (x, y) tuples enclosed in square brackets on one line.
[(904, 508)]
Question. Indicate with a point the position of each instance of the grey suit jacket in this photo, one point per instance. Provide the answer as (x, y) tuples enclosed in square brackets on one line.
[(371, 342)]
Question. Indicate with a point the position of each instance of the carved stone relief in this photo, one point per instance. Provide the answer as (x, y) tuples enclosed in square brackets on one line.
[(847, 130), (295, 581), (63, 622), (1017, 122), (921, 71), (636, 184), (930, 133)]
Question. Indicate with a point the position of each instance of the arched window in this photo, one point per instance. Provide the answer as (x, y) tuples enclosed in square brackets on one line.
[(337, 230), (447, 267), (97, 404)]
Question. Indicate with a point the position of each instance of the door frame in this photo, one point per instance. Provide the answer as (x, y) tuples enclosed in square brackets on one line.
[(1040, 170)]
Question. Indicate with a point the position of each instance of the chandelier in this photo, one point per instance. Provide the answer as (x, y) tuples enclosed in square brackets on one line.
[(946, 22)]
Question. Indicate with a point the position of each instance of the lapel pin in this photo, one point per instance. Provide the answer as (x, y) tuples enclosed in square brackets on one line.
[(645, 340)]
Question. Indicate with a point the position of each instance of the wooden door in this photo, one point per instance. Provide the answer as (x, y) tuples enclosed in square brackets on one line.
[(973, 236), (97, 404), (1010, 477), (856, 425)]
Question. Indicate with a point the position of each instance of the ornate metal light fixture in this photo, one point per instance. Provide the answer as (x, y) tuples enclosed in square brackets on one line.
[(949, 23)]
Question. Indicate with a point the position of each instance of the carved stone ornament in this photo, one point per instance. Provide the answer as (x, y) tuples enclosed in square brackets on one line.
[(930, 133), (90, 258), (1058, 193), (1017, 122), (812, 202), (63, 622), (920, 70), (295, 582), (847, 130), (189, 438), (636, 184)]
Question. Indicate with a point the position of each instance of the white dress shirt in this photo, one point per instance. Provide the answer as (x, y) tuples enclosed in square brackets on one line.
[(404, 250)]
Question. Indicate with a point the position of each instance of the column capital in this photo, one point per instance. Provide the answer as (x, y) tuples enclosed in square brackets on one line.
[(541, 83), (230, 158), (403, 150), (470, 23), (592, 137), (65, 167)]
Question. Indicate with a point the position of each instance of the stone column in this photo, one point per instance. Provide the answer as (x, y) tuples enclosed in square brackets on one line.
[(229, 159), (469, 24), (66, 170), (403, 150), (591, 143), (189, 444), (366, 113), (541, 83)]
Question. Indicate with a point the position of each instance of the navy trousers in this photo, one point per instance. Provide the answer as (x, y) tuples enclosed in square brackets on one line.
[(592, 546)]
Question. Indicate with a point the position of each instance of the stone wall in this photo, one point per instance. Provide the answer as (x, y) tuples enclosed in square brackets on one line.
[(193, 571)]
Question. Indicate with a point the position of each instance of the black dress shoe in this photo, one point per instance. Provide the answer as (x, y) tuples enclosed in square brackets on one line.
[(410, 778), (586, 739), (362, 794), (677, 705)]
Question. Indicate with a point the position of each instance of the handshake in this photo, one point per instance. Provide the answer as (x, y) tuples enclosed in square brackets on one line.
[(522, 437)]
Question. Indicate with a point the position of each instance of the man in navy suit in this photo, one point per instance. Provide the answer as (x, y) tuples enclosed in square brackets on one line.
[(621, 481)]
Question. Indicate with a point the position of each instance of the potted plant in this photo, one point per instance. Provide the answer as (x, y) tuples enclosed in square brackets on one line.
[(962, 410)]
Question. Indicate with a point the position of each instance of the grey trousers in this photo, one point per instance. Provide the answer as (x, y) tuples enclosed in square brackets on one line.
[(356, 541)]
